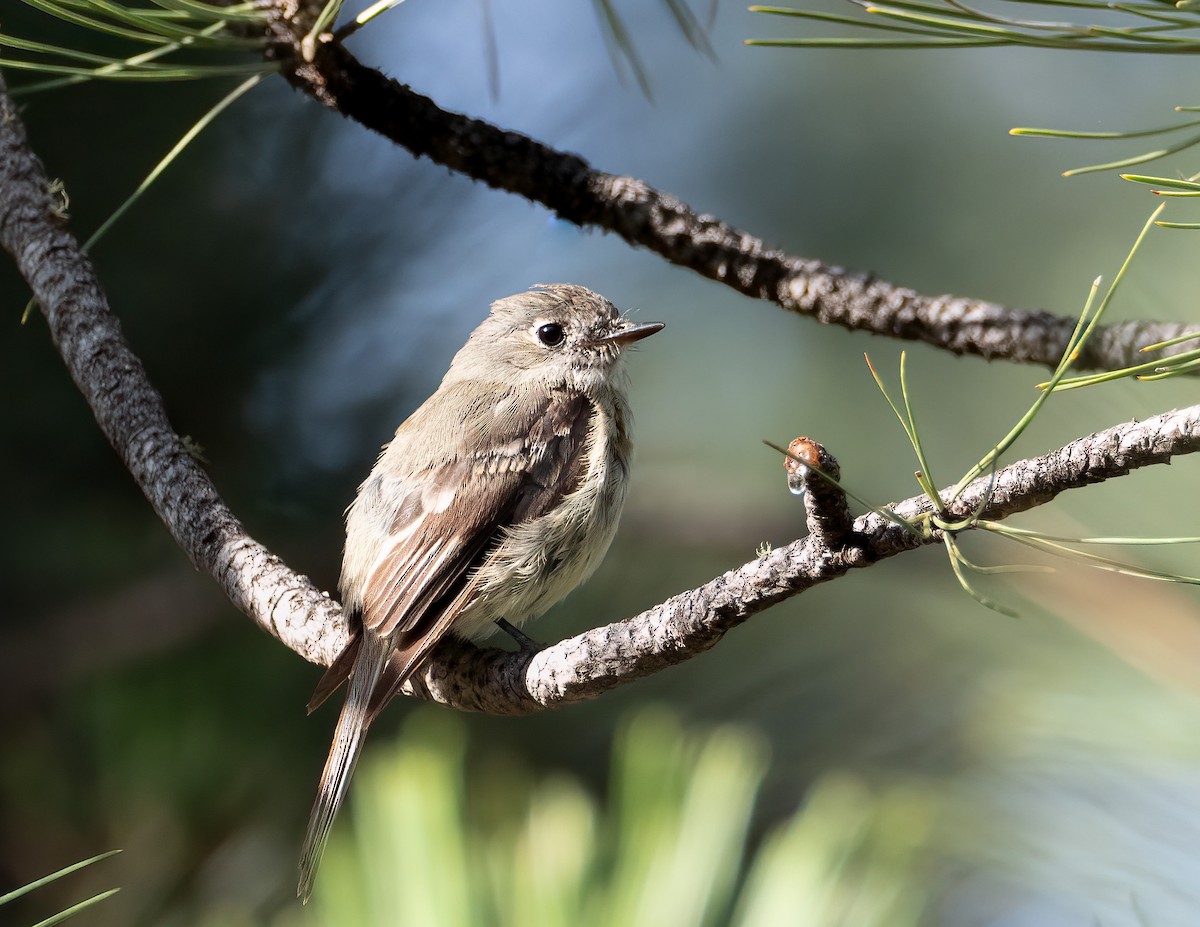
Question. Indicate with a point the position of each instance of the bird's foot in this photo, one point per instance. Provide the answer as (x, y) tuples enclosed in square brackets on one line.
[(526, 644)]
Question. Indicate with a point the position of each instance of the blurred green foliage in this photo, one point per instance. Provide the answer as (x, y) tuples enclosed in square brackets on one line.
[(441, 841)]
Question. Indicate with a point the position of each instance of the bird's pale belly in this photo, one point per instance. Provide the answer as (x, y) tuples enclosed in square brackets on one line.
[(525, 576)]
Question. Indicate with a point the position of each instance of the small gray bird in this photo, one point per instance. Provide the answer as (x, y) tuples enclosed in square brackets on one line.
[(496, 498)]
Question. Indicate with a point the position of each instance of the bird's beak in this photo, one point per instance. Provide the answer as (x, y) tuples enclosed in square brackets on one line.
[(631, 333)]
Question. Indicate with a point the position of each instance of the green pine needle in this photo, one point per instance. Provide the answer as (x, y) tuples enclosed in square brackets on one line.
[(1096, 561), (75, 909), (957, 562), (1171, 342), (169, 26), (954, 24), (925, 474), (46, 880), (1110, 541), (1135, 159), (1131, 133), (202, 123)]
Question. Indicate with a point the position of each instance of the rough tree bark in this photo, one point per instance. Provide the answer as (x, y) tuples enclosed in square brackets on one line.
[(566, 184)]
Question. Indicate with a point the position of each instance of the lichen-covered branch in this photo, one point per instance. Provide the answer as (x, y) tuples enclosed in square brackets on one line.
[(644, 216), (130, 411)]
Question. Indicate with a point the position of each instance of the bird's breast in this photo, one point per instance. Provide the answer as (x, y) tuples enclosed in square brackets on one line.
[(542, 560)]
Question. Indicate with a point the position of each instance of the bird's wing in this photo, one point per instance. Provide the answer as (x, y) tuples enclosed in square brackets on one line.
[(423, 577), (444, 531), (462, 513)]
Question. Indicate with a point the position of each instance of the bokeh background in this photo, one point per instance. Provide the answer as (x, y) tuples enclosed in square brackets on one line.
[(296, 286)]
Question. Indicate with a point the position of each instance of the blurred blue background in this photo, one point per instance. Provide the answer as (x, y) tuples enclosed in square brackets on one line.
[(296, 286)]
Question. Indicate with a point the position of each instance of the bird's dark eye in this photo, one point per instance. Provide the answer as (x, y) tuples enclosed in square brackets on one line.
[(551, 334)]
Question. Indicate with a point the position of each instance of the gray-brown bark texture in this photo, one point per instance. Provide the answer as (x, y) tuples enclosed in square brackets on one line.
[(130, 411), (566, 184)]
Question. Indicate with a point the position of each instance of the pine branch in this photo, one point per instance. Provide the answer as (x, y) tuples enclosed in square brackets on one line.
[(567, 185), (130, 411), (589, 664)]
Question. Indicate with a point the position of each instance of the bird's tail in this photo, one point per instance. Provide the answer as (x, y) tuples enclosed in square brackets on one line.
[(343, 755)]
